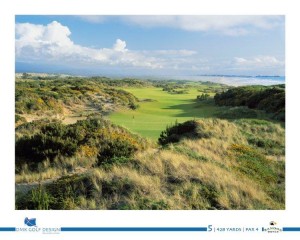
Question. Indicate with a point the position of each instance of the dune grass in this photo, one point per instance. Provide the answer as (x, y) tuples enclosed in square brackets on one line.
[(236, 163), (222, 170), (152, 117)]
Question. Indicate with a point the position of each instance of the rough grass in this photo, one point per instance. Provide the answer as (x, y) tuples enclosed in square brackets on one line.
[(236, 163), (222, 171)]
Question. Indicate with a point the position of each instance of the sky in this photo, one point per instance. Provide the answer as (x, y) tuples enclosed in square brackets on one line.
[(151, 45)]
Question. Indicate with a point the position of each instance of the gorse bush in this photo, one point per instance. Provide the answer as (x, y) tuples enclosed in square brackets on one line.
[(87, 138), (115, 148)]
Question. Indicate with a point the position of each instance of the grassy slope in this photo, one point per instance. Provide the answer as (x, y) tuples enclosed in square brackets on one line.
[(222, 171), (239, 166), (152, 117)]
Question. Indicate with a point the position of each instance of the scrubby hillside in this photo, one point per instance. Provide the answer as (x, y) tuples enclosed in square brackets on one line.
[(47, 149), (270, 99), (70, 156), (203, 164), (37, 99)]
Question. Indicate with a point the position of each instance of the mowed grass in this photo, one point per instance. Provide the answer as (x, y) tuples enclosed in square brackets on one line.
[(152, 117)]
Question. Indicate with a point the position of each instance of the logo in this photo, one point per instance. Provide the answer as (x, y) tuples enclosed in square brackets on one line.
[(31, 227), (272, 228), (30, 222)]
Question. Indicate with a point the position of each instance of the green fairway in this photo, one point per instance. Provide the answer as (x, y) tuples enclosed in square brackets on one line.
[(153, 116)]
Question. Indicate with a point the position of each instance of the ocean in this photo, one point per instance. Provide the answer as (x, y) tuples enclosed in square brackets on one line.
[(231, 80)]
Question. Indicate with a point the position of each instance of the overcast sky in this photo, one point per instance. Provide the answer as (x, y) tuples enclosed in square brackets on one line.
[(151, 45)]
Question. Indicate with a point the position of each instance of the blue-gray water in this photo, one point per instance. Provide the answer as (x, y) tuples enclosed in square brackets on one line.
[(232, 80)]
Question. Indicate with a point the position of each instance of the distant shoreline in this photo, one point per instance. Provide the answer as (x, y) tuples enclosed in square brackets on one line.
[(233, 80)]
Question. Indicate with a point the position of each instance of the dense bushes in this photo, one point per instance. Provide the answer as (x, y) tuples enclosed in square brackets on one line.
[(270, 99), (91, 138), (175, 133), (116, 150), (53, 140)]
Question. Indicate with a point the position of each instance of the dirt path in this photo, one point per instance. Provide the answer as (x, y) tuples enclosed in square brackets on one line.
[(70, 116), (25, 187)]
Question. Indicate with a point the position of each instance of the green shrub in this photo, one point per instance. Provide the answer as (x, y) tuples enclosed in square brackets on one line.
[(202, 97), (173, 134), (115, 150), (133, 106), (108, 162)]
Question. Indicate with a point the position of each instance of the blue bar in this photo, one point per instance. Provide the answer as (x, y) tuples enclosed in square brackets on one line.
[(291, 229), (133, 229), (7, 229)]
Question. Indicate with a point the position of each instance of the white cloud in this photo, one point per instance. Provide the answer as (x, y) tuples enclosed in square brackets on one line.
[(258, 65), (228, 24), (258, 62), (52, 42), (33, 40), (120, 46)]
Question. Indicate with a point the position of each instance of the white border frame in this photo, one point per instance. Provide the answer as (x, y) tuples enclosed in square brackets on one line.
[(11, 217)]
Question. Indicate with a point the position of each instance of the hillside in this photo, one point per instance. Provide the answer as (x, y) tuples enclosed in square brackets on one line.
[(202, 156), (69, 99), (270, 99), (219, 165)]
